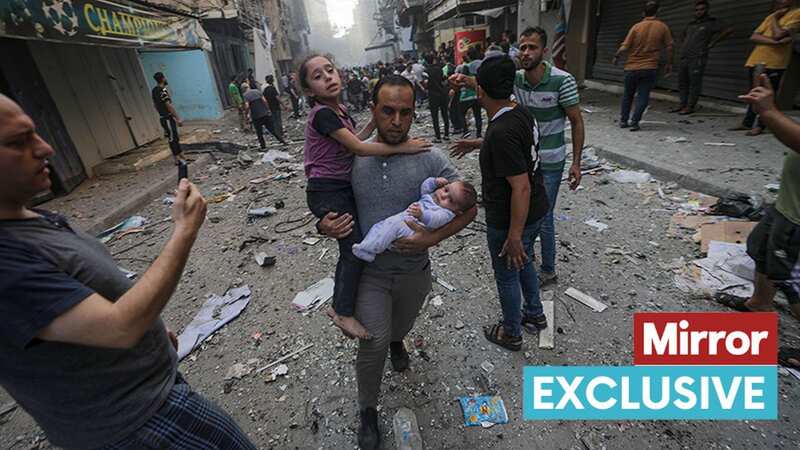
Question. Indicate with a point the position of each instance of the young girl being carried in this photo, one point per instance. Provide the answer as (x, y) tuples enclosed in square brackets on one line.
[(331, 144)]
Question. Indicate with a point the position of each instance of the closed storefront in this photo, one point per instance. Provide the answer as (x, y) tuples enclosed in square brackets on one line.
[(725, 75), (107, 109), (77, 72)]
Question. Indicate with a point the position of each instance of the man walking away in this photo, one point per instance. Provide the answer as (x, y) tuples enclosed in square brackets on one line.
[(515, 201), (773, 52), (700, 36), (260, 114), (275, 105), (236, 99), (437, 96), (170, 121), (644, 44)]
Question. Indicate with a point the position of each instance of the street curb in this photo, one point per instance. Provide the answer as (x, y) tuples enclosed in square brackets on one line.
[(616, 88), (664, 172), (125, 209)]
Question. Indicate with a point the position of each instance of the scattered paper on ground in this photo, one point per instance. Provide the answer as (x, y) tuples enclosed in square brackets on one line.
[(727, 268), (319, 292), (215, 313)]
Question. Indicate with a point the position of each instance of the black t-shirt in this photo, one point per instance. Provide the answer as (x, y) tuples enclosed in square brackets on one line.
[(435, 80), (508, 149), (82, 396), (354, 86), (160, 99), (326, 121), (271, 94), (698, 35)]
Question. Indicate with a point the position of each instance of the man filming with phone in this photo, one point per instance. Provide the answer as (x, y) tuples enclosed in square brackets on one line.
[(83, 349)]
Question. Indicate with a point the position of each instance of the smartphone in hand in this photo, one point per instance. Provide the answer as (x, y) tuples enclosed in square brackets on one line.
[(183, 170)]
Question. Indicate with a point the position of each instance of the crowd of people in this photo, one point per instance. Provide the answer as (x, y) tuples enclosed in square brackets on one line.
[(86, 354)]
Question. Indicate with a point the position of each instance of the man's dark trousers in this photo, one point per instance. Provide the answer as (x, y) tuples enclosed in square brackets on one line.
[(259, 125), (690, 80), (437, 104)]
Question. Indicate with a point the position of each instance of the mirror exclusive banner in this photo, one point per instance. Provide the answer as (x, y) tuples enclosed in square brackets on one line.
[(690, 366)]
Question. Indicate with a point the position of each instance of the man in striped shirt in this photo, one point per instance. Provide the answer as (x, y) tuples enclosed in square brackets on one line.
[(551, 96)]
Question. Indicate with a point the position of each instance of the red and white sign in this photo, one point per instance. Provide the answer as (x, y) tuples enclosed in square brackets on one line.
[(705, 338), (466, 40)]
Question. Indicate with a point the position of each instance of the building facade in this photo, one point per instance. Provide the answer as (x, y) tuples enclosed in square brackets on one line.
[(77, 73)]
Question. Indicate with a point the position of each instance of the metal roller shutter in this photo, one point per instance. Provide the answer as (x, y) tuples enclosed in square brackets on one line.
[(725, 75)]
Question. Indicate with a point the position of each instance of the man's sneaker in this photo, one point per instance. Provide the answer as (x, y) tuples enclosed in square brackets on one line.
[(546, 279), (635, 127), (369, 437), (534, 324), (399, 356), (623, 124)]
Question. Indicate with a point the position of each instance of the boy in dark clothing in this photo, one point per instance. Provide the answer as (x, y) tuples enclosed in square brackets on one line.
[(515, 201), (437, 96), (260, 113), (275, 105)]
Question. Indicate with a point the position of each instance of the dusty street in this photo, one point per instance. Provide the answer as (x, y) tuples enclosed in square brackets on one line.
[(626, 266)]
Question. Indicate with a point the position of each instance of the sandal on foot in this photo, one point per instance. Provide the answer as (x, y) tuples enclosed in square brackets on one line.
[(732, 302), (534, 324), (492, 335), (787, 354)]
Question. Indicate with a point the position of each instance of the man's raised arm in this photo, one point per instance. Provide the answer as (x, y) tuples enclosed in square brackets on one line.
[(762, 98), (98, 322)]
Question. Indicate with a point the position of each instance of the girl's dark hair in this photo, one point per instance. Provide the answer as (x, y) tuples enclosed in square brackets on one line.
[(302, 73)]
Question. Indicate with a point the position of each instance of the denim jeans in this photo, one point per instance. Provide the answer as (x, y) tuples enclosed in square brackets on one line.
[(509, 281), (638, 83), (547, 233)]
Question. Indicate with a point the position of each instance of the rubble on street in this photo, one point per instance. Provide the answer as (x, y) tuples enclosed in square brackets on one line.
[(627, 242)]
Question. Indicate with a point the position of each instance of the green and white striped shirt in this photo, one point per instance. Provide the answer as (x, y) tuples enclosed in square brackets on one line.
[(547, 102)]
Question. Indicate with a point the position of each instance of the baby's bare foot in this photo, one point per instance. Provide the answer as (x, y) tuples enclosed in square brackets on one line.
[(350, 327)]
